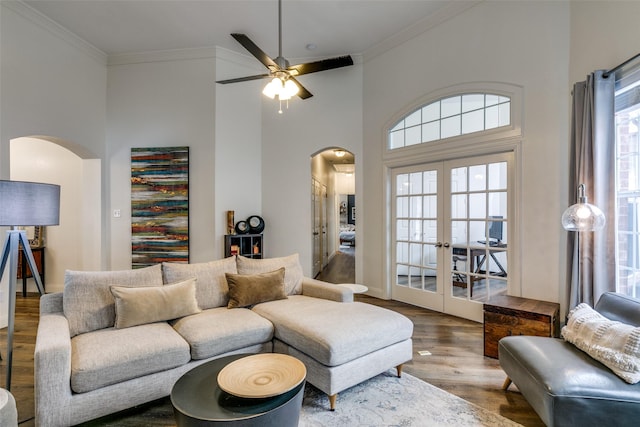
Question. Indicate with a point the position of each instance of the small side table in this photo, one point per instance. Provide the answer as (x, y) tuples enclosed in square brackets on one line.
[(357, 289), (24, 272), (506, 315)]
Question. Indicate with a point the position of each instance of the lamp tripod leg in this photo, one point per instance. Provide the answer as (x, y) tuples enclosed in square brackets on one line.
[(10, 253)]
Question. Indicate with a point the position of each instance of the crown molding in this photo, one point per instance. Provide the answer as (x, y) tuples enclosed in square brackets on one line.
[(162, 56), (56, 29), (450, 10)]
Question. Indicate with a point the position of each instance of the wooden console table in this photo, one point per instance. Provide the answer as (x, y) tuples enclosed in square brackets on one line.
[(24, 272), (506, 315)]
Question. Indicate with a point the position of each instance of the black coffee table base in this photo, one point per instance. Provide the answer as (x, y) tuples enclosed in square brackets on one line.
[(198, 401)]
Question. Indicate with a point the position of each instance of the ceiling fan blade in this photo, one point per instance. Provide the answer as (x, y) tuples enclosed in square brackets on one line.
[(303, 93), (322, 65), (256, 51), (244, 79)]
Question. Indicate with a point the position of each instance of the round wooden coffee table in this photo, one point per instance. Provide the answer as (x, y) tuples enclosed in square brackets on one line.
[(198, 400)]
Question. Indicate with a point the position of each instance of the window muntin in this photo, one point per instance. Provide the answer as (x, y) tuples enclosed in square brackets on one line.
[(450, 117)]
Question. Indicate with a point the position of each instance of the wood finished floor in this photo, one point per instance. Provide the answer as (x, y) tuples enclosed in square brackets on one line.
[(456, 364)]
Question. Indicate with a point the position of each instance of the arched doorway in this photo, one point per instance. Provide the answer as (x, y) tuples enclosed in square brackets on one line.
[(76, 243), (333, 213)]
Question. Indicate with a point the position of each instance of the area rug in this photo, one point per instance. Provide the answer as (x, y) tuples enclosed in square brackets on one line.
[(382, 401), (386, 400)]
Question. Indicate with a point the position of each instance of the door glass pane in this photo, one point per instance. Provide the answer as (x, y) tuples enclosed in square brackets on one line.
[(402, 207), (430, 206), (402, 184), (415, 207), (459, 206), (498, 176), (498, 204), (459, 179), (430, 182), (402, 229), (477, 178), (479, 240), (430, 230), (415, 183), (417, 229), (477, 205)]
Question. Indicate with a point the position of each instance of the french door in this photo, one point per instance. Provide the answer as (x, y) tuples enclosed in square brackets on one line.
[(450, 228)]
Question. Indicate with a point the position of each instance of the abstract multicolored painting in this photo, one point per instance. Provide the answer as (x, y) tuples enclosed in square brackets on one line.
[(159, 205)]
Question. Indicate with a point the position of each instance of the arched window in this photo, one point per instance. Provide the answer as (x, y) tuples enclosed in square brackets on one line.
[(449, 117)]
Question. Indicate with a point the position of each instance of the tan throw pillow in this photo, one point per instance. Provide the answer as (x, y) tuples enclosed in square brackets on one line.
[(138, 306), (251, 289), (211, 287), (614, 344), (88, 302), (293, 270)]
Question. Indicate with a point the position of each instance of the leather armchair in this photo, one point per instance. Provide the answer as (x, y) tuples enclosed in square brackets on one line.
[(564, 385)]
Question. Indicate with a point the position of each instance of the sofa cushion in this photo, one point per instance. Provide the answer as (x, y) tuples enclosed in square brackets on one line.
[(293, 270), (332, 332), (211, 287), (565, 385), (614, 344), (219, 330), (138, 306), (250, 289), (88, 303), (111, 356)]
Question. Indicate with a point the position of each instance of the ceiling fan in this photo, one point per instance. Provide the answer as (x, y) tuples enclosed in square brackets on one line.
[(283, 75)]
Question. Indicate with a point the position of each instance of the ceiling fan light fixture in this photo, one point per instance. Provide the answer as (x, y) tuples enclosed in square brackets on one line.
[(290, 88), (272, 88)]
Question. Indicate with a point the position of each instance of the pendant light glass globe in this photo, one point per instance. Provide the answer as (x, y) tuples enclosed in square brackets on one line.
[(583, 216)]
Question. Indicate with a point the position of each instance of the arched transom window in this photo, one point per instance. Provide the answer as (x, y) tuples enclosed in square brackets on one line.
[(449, 117)]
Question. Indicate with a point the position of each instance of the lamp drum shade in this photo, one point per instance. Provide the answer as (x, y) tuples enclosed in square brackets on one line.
[(29, 203)]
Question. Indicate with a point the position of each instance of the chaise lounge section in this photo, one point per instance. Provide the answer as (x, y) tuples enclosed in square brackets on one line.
[(107, 342)]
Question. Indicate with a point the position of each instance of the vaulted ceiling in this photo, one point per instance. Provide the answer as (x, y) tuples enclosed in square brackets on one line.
[(333, 27)]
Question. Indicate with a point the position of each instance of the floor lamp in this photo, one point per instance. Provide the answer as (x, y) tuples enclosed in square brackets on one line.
[(582, 216), (23, 204)]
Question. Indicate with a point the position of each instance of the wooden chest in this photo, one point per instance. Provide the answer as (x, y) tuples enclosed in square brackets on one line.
[(507, 315)]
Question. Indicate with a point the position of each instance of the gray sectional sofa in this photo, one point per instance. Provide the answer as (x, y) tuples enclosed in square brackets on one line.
[(103, 345)]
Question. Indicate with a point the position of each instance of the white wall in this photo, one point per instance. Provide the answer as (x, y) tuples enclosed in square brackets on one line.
[(42, 161), (174, 101), (603, 35), (520, 43), (161, 104), (332, 117), (50, 84), (238, 142)]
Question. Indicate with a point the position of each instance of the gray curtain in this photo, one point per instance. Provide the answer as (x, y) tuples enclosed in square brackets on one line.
[(592, 263)]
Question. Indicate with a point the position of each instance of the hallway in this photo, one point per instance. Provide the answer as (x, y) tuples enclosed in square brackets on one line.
[(341, 268)]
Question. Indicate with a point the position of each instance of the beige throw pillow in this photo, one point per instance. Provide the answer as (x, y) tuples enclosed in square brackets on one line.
[(251, 289), (614, 344), (211, 287), (293, 270), (138, 306)]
